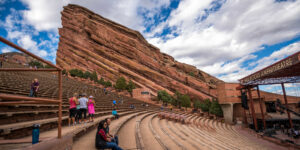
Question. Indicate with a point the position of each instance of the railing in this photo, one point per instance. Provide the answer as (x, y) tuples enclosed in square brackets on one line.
[(16, 100)]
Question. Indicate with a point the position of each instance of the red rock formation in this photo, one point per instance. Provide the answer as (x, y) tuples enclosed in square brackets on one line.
[(16, 57), (91, 42)]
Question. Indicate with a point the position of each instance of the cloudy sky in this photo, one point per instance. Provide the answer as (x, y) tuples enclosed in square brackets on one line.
[(226, 38)]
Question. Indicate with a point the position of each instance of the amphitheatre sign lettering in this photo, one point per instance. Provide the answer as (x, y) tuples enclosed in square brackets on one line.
[(294, 59)]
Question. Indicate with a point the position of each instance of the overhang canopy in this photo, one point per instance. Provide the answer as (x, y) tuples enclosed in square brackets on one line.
[(283, 71)]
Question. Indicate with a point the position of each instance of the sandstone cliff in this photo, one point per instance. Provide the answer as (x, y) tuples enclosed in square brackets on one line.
[(91, 42)]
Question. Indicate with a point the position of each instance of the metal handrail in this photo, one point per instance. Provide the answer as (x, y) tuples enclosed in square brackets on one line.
[(30, 100)]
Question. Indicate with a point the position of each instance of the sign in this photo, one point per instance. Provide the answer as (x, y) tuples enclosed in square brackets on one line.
[(294, 59)]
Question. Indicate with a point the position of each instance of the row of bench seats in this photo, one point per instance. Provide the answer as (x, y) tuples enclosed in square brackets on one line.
[(16, 121)]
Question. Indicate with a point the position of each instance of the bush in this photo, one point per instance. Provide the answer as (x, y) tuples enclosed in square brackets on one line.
[(185, 101), (192, 74), (93, 76), (47, 66), (197, 104), (215, 108), (74, 72), (36, 64), (121, 84), (64, 72), (101, 81), (86, 75), (176, 99), (162, 95), (107, 84), (205, 105), (130, 86)]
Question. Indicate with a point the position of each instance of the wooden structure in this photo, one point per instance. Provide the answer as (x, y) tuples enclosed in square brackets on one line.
[(283, 71), (15, 100)]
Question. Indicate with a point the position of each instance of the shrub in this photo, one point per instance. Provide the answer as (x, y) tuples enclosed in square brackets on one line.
[(185, 101), (47, 66), (162, 95), (197, 104), (86, 75), (192, 74), (205, 105), (130, 86), (107, 84), (74, 72), (64, 72), (36, 64), (215, 108), (121, 84), (101, 81), (93, 76)]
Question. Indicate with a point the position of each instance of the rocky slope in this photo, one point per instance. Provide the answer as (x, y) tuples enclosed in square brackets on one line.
[(16, 57), (90, 42)]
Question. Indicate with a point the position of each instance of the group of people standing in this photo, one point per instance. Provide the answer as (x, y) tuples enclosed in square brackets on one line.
[(79, 106)]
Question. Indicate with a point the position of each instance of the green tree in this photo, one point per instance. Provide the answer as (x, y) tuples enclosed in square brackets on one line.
[(121, 84), (215, 108), (73, 72), (205, 105), (192, 74), (47, 66), (176, 100), (197, 104), (107, 84), (101, 81), (64, 72), (130, 86), (36, 64), (162, 95), (185, 101), (94, 76), (86, 75)]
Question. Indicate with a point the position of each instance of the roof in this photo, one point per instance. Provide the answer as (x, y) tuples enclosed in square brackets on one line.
[(283, 71)]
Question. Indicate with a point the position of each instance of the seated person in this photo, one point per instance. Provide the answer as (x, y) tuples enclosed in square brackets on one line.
[(115, 113), (113, 138), (102, 141), (183, 118), (172, 116), (159, 115)]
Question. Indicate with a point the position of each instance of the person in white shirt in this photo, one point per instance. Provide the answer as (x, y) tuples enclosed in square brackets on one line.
[(83, 107)]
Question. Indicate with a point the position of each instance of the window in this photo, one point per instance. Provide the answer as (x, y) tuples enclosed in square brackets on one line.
[(145, 93)]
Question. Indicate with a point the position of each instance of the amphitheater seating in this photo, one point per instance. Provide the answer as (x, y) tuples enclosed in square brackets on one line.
[(14, 120), (138, 128)]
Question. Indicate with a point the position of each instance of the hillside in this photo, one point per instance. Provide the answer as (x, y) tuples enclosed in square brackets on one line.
[(91, 42)]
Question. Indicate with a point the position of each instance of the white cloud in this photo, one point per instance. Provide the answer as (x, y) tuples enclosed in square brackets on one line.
[(45, 15), (220, 43), (6, 50), (18, 31), (260, 64)]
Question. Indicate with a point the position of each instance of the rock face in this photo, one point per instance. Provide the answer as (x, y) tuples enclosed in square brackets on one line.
[(16, 57), (91, 42)]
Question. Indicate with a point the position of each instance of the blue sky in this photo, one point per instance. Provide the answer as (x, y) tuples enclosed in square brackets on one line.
[(225, 38)]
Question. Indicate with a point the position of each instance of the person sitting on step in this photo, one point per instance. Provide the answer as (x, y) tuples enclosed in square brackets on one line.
[(102, 141), (115, 113), (114, 138)]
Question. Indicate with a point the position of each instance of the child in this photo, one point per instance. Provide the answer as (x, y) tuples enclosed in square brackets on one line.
[(91, 108)]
